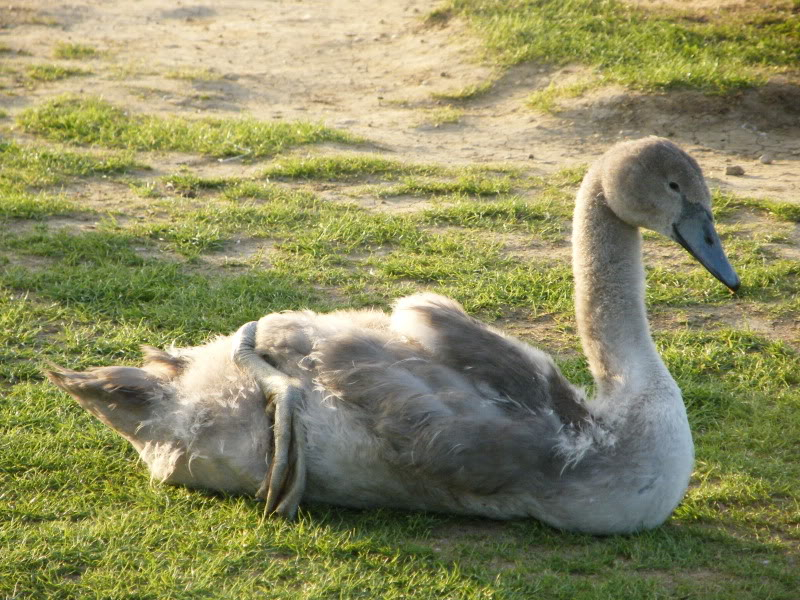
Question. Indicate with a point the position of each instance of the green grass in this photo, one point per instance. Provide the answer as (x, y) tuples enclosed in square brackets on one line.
[(30, 174), (640, 49), (193, 74), (52, 72), (444, 115), (546, 100), (95, 121), (74, 51), (79, 518), (468, 92), (468, 183), (341, 168)]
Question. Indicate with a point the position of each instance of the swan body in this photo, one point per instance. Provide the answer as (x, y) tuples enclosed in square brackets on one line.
[(427, 408)]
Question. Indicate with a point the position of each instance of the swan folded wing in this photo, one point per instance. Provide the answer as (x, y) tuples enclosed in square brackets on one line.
[(433, 422), (515, 370)]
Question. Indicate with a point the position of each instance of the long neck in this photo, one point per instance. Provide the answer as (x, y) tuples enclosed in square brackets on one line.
[(609, 296)]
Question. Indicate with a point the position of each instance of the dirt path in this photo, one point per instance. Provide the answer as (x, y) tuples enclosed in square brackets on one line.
[(371, 68)]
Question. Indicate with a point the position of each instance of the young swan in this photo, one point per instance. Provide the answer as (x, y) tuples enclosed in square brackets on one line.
[(430, 409)]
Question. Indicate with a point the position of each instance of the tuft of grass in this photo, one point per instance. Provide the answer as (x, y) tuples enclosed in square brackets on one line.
[(640, 49), (468, 92), (25, 170), (725, 203), (344, 168), (438, 17), (193, 74), (19, 204), (546, 217), (95, 121), (30, 165), (444, 115), (546, 100), (52, 72), (470, 183), (74, 51)]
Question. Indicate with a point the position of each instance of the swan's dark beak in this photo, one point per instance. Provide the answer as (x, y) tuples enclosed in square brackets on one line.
[(695, 232)]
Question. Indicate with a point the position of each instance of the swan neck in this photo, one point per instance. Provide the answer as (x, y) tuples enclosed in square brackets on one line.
[(609, 295)]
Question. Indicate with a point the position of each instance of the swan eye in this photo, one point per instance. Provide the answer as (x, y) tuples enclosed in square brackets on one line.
[(674, 186)]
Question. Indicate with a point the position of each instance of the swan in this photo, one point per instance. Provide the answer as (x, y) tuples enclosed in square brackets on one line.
[(430, 409)]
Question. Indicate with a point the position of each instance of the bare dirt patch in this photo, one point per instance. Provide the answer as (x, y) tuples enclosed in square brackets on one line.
[(240, 253), (373, 69)]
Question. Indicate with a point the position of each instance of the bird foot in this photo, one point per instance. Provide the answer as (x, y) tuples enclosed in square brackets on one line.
[(284, 483)]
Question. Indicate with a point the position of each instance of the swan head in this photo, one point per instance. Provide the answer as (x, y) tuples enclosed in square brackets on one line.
[(652, 183)]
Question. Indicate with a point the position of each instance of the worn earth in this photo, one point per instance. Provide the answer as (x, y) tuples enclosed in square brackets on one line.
[(374, 69)]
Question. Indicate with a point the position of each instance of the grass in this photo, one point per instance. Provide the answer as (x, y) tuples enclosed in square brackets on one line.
[(74, 51), (342, 168), (466, 183), (94, 121), (78, 515), (193, 74), (650, 50), (444, 115), (547, 99), (31, 176), (468, 92), (46, 72)]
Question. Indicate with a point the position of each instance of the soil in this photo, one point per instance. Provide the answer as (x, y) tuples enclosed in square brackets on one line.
[(372, 68)]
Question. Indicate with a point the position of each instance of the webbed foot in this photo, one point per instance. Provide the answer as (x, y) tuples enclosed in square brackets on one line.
[(284, 483)]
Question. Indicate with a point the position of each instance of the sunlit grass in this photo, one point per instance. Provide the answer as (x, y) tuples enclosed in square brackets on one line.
[(443, 115), (74, 51), (193, 74), (52, 72), (638, 48), (80, 518), (95, 121)]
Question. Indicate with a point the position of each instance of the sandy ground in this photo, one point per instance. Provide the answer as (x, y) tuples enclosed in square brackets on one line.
[(372, 68)]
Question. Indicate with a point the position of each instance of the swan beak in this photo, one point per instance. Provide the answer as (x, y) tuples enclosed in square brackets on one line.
[(695, 232)]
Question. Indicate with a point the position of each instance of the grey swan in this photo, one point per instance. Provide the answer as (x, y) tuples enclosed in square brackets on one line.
[(430, 409)]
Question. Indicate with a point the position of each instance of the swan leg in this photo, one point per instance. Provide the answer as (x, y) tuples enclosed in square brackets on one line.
[(284, 483)]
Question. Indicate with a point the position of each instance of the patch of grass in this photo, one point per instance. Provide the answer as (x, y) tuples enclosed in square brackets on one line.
[(344, 168), (468, 92), (189, 185), (444, 115), (95, 121), (52, 72), (26, 170), (16, 203), (640, 49), (470, 183), (547, 218), (30, 165), (74, 51), (546, 100), (438, 17), (193, 74), (725, 203)]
